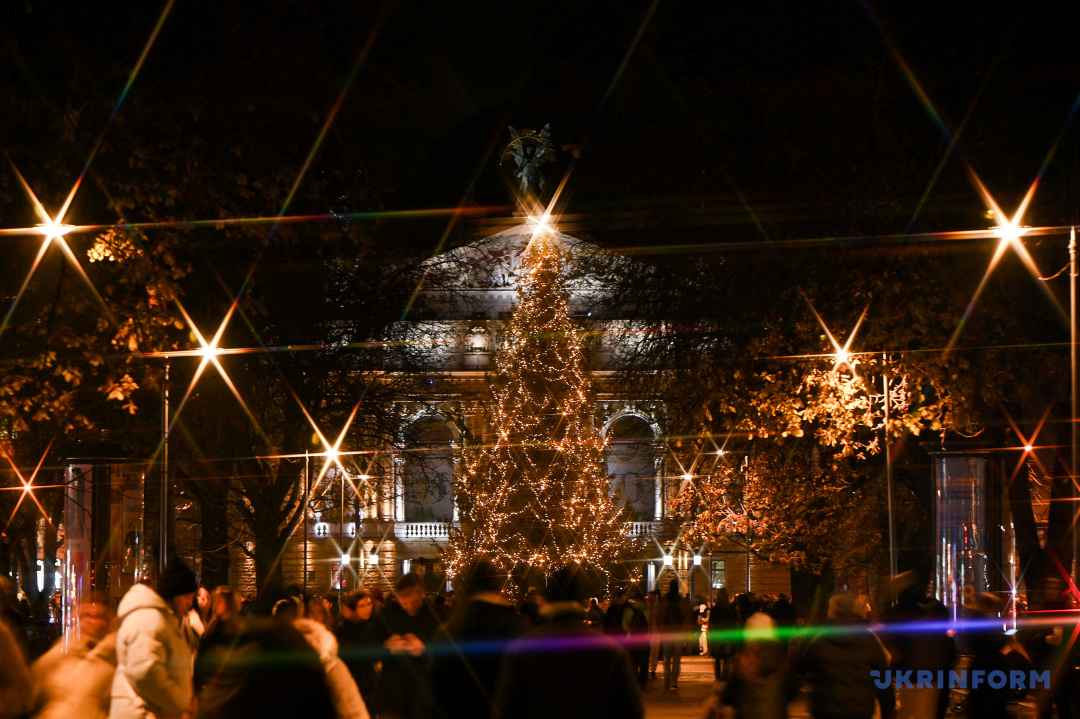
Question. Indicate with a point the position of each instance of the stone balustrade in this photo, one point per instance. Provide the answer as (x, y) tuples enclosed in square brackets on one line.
[(422, 530)]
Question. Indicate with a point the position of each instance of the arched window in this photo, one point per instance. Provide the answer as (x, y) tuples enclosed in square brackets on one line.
[(630, 464), (429, 472)]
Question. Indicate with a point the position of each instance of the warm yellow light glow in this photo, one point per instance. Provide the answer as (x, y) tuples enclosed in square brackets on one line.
[(1027, 447), (688, 477), (1010, 232), (842, 358), (540, 224), (365, 477), (54, 229)]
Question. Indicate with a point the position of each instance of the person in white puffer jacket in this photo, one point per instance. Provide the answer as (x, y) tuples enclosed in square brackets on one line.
[(348, 704), (153, 661)]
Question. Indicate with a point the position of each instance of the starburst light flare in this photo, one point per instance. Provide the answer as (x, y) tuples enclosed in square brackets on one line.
[(52, 230), (842, 354), (27, 488)]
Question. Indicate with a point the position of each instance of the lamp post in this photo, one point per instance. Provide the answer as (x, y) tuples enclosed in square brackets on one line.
[(746, 506), (163, 511), (888, 476), (1011, 232), (307, 507), (1075, 431), (344, 552)]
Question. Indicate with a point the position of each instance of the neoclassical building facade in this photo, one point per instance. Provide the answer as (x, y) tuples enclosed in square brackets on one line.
[(392, 510)]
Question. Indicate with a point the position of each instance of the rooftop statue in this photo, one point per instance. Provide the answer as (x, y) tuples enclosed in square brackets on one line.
[(530, 150)]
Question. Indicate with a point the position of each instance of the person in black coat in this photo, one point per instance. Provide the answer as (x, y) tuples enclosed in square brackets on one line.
[(468, 649), (722, 624), (405, 629), (262, 668), (564, 668), (839, 660), (358, 645)]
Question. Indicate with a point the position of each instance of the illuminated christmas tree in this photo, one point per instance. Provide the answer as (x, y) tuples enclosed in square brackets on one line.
[(534, 496)]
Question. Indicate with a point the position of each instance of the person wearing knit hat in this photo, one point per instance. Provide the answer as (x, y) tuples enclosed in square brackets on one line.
[(154, 667), (177, 579)]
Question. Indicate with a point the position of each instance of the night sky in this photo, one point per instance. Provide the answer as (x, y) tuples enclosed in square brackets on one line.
[(686, 131), (802, 115)]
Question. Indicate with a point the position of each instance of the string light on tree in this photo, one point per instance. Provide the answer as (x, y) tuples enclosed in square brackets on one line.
[(536, 497)]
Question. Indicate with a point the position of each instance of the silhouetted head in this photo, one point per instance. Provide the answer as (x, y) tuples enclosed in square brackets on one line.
[(566, 584), (481, 576)]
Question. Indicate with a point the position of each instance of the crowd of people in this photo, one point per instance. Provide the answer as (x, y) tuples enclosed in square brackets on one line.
[(764, 651), (181, 650)]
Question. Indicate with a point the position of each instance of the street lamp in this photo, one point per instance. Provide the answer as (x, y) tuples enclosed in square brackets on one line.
[(746, 506), (1075, 404), (163, 492), (888, 473), (1010, 233)]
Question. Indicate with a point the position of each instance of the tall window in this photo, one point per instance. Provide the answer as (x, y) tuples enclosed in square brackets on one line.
[(630, 464), (719, 574), (429, 472)]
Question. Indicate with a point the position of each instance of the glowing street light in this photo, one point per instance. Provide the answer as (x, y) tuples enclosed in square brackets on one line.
[(1009, 233), (49, 230)]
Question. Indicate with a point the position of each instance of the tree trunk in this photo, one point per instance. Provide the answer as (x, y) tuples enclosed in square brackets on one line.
[(212, 499), (269, 580), (214, 543)]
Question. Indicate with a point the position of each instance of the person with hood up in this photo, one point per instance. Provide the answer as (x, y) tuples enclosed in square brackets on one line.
[(839, 660), (153, 669), (348, 703)]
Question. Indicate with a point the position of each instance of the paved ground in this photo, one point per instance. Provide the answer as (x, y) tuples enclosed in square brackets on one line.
[(695, 687)]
